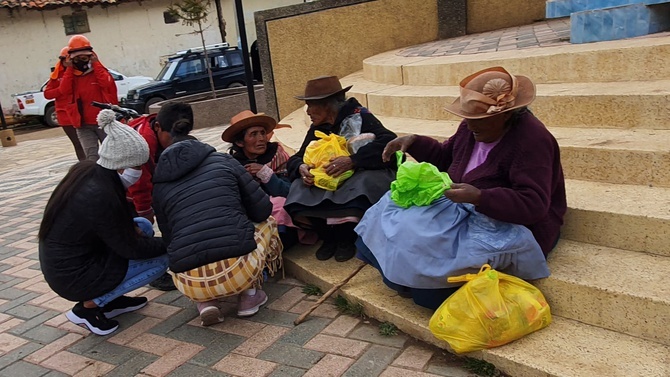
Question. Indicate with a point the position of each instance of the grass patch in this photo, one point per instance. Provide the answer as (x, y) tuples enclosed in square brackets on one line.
[(351, 308), (481, 367), (388, 329), (312, 290)]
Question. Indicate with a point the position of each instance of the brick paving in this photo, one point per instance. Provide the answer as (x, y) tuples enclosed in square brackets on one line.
[(539, 34), (165, 338)]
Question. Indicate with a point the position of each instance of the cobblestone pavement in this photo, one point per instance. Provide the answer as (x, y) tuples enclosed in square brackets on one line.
[(165, 338), (538, 34)]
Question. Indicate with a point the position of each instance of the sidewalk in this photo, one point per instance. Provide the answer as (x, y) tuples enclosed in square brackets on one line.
[(165, 338)]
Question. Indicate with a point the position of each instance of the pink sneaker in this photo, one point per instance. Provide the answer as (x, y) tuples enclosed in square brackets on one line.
[(210, 314), (249, 305)]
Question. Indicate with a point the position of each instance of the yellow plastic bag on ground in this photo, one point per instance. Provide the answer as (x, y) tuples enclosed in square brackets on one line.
[(319, 152), (490, 310)]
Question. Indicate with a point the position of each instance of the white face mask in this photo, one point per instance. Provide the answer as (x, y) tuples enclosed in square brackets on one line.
[(130, 177)]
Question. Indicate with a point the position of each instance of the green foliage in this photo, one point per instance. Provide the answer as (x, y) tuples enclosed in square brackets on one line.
[(350, 308), (481, 367), (312, 290), (388, 329), (190, 12)]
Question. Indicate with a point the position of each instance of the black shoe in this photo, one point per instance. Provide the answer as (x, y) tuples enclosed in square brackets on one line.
[(345, 251), (163, 283), (94, 319), (123, 304), (326, 251)]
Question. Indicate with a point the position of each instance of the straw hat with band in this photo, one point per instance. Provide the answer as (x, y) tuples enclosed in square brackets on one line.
[(322, 87), (490, 92), (246, 119)]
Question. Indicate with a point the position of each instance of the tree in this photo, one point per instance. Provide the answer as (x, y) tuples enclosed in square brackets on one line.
[(194, 13)]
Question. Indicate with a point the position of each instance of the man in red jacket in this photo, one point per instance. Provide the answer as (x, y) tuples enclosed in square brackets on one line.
[(87, 81), (140, 194)]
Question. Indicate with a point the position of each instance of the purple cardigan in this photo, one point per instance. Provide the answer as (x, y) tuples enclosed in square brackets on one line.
[(521, 181)]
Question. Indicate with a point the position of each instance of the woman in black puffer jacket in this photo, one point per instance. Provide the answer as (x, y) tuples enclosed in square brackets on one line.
[(215, 217), (90, 250)]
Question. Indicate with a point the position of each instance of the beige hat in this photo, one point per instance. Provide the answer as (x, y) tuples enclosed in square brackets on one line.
[(490, 92), (246, 119), (123, 147)]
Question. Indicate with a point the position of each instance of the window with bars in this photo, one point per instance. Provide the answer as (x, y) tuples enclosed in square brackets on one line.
[(76, 23)]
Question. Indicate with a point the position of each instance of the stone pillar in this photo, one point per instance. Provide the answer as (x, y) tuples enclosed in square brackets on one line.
[(452, 18)]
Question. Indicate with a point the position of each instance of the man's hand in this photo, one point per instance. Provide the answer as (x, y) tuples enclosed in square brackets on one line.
[(463, 193), (307, 177), (339, 165), (398, 144)]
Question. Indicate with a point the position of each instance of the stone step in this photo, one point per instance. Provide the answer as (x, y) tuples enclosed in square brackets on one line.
[(640, 104), (635, 157), (611, 288), (628, 217), (566, 348), (579, 63)]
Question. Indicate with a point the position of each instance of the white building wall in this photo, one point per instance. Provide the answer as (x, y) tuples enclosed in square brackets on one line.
[(131, 38)]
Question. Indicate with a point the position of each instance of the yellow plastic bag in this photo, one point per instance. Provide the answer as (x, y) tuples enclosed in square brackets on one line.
[(490, 310), (319, 152)]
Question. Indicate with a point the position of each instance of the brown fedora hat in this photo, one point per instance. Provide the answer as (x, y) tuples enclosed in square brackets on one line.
[(322, 87), (246, 119), (490, 92)]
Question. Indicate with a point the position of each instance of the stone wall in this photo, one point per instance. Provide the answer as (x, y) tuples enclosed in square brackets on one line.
[(486, 15), (304, 41)]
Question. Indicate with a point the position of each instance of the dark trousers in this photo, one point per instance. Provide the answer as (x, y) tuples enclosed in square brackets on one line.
[(71, 133), (428, 298)]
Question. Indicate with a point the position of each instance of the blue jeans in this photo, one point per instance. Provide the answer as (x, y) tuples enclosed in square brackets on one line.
[(140, 272)]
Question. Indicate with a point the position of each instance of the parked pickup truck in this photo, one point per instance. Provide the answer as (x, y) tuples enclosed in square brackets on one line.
[(33, 103)]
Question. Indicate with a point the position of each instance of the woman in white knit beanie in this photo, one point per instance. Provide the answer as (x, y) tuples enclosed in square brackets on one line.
[(90, 249)]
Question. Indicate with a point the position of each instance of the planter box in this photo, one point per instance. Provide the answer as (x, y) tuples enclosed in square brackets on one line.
[(208, 112)]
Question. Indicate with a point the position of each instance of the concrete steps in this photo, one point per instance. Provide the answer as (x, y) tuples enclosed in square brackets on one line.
[(567, 348), (596, 62), (638, 104), (607, 105)]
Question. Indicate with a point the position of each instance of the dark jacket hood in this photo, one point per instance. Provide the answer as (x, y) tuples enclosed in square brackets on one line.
[(180, 159)]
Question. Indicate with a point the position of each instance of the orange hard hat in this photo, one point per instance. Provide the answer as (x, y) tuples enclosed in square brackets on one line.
[(78, 43), (63, 52)]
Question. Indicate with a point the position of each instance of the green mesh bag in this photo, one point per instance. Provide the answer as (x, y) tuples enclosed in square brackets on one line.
[(418, 184)]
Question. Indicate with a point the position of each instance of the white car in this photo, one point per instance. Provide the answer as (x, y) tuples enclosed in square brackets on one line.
[(33, 103)]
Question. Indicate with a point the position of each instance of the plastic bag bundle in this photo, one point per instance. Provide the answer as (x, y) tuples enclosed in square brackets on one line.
[(318, 154), (418, 184), (490, 310)]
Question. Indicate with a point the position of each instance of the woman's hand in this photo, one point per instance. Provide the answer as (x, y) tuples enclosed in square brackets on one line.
[(398, 144), (339, 165), (253, 168), (463, 193), (307, 177)]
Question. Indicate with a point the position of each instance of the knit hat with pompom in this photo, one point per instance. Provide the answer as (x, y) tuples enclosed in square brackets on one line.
[(123, 147)]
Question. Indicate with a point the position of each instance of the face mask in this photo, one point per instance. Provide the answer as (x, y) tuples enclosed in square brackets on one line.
[(130, 177), (81, 66)]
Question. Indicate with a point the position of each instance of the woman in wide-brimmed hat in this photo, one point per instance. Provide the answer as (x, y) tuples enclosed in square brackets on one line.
[(249, 135), (334, 214), (510, 189)]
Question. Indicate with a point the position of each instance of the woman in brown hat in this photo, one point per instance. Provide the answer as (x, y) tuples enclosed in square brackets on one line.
[(249, 135), (508, 168), (334, 214)]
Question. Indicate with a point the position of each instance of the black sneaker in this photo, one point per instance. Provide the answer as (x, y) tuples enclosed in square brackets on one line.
[(345, 251), (163, 283), (123, 304), (94, 319), (326, 250)]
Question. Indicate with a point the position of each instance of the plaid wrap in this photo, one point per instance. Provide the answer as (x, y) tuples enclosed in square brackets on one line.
[(231, 276)]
